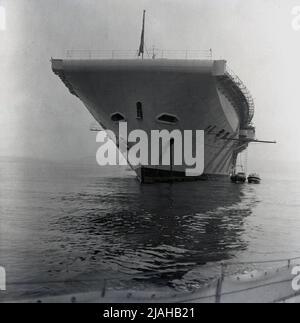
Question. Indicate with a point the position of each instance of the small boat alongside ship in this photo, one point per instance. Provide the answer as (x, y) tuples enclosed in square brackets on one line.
[(241, 178), (254, 179), (238, 177), (239, 174)]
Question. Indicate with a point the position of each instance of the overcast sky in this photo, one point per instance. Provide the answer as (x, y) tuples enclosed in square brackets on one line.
[(39, 118)]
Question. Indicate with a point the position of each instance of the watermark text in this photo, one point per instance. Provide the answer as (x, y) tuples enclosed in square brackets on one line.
[(155, 148), (2, 18), (296, 280), (296, 18), (2, 279)]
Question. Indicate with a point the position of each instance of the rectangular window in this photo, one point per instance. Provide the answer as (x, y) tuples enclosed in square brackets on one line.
[(139, 111)]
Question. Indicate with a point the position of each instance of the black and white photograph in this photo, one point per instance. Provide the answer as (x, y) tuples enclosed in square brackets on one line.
[(149, 154)]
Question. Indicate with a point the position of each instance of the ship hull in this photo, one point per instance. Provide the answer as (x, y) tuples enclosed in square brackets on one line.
[(190, 91), (148, 175)]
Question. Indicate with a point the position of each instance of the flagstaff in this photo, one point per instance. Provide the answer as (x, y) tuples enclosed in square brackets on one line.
[(142, 44)]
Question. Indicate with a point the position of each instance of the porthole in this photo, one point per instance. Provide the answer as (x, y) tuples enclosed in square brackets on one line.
[(167, 118), (117, 117)]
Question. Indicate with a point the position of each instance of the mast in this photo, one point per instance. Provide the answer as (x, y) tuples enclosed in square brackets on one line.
[(142, 44)]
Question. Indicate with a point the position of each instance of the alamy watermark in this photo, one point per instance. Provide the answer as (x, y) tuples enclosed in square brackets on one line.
[(2, 279), (296, 18), (2, 18), (161, 147), (296, 280)]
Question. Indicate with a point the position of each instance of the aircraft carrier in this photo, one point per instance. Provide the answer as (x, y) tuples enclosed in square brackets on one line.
[(165, 93)]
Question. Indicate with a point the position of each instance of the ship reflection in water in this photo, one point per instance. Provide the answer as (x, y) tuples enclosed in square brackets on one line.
[(70, 226), (159, 232)]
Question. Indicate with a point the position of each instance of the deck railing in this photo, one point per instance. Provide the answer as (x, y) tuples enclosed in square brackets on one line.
[(239, 83), (265, 284), (131, 54)]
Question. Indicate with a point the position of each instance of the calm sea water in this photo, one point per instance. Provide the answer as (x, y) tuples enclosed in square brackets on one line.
[(66, 227)]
